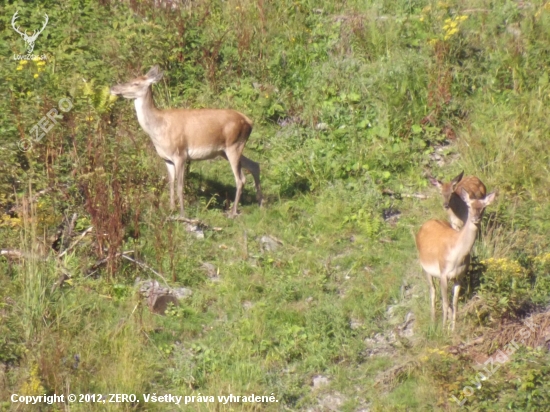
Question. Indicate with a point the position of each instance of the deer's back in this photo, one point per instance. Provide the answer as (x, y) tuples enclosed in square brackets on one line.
[(197, 128), (475, 187)]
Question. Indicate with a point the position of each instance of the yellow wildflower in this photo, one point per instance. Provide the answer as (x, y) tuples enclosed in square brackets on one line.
[(33, 385), (23, 62), (35, 75), (35, 58), (19, 68), (41, 63), (463, 17)]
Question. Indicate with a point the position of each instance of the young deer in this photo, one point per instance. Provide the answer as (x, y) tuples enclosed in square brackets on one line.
[(180, 135), (445, 253), (452, 202)]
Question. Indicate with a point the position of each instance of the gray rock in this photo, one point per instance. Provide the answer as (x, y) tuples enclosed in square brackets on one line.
[(211, 271), (269, 244), (320, 381), (159, 297), (182, 293)]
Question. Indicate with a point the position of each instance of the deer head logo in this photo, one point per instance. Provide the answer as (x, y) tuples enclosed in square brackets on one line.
[(28, 39)]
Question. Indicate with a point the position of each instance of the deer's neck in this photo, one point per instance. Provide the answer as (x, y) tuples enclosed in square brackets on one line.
[(149, 117), (466, 239)]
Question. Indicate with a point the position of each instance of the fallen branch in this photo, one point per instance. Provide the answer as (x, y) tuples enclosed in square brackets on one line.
[(417, 195), (196, 222), (391, 193), (124, 255), (83, 234), (475, 11), (145, 266), (12, 253), (96, 265), (186, 220), (465, 345), (69, 231)]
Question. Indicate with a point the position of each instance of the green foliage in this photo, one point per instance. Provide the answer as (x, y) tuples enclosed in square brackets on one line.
[(521, 385), (541, 270), (505, 286)]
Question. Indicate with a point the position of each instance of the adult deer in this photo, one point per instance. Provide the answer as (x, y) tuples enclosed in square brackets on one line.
[(445, 253), (180, 135), (452, 202)]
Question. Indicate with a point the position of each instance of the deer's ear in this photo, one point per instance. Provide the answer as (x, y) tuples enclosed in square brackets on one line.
[(489, 199), (457, 179), (464, 195), (154, 75)]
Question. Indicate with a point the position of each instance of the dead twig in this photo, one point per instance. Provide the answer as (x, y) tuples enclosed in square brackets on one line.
[(475, 11), (96, 265), (145, 266), (69, 231), (186, 220), (391, 193), (416, 195), (82, 235), (12, 253), (463, 346), (196, 222)]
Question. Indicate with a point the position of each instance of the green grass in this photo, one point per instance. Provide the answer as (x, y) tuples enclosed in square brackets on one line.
[(350, 102)]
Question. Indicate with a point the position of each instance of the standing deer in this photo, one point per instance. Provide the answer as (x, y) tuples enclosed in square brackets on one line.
[(180, 135), (32, 38), (445, 253), (452, 202)]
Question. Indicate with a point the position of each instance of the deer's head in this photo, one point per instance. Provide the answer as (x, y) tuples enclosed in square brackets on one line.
[(447, 189), (137, 87)]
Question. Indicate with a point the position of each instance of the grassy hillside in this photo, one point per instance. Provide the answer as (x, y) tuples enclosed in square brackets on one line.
[(317, 298)]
